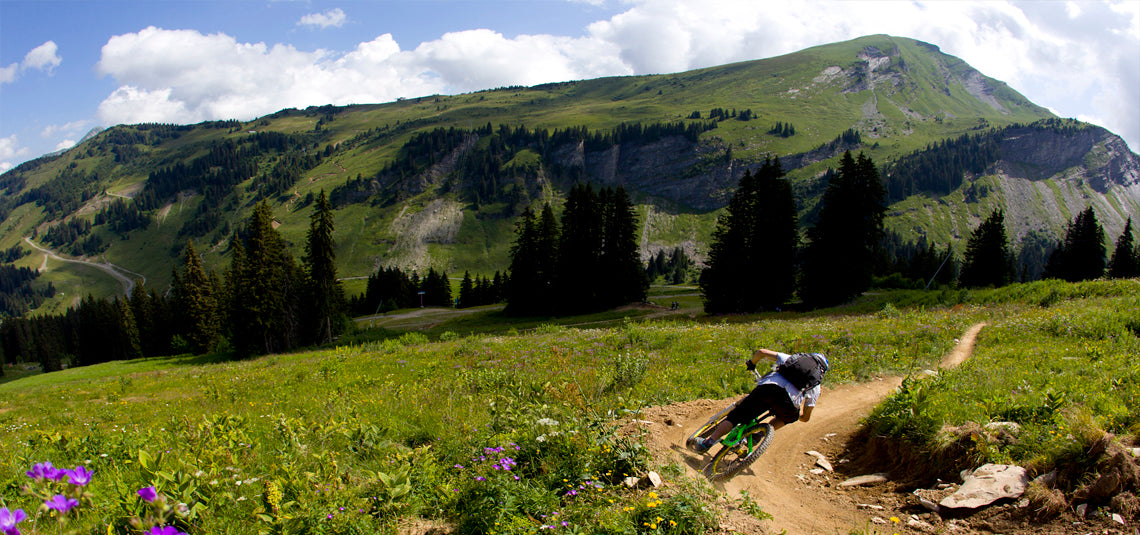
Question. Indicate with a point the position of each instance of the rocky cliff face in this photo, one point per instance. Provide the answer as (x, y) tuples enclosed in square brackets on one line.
[(1047, 177)]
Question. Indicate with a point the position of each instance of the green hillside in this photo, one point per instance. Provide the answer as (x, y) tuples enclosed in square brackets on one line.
[(437, 180)]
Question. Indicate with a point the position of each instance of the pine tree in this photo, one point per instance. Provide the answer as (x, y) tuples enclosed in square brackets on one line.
[(128, 345), (264, 286), (752, 256), (437, 289), (620, 278), (1124, 263), (840, 255), (196, 304), (325, 294), (546, 251), (140, 305), (524, 276), (530, 290), (467, 291), (580, 250), (1081, 255), (987, 259)]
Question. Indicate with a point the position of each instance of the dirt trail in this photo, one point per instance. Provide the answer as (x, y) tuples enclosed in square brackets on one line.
[(780, 481), (117, 272)]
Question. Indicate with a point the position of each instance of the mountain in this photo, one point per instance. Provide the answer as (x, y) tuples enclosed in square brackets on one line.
[(438, 180)]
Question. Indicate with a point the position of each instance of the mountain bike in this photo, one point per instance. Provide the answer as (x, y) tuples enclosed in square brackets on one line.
[(740, 447)]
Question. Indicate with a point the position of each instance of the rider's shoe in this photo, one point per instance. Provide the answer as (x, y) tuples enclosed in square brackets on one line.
[(699, 445)]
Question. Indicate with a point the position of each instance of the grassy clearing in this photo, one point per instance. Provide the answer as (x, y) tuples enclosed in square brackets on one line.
[(358, 438)]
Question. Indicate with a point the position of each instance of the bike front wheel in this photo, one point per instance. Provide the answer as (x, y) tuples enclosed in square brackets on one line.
[(731, 459)]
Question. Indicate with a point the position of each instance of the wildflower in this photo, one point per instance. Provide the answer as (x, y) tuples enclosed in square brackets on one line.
[(895, 519), (45, 471), (148, 494), (459, 466), (480, 478), (61, 503), (9, 519), (78, 477), (653, 495), (165, 530)]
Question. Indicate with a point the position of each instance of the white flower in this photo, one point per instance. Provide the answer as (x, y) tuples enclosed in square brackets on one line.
[(540, 438), (547, 421)]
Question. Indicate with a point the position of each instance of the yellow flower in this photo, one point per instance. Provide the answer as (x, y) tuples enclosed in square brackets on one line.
[(653, 495), (895, 519), (651, 504), (653, 526), (673, 523)]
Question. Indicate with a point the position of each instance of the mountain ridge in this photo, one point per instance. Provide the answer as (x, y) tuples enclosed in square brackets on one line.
[(678, 142)]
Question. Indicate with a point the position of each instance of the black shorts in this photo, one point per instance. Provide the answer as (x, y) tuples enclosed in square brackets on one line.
[(764, 397)]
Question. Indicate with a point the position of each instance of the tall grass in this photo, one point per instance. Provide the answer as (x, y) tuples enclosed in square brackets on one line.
[(360, 438)]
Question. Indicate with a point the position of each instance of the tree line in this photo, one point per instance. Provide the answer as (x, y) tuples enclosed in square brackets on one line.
[(392, 288), (585, 261), (265, 302), (757, 262)]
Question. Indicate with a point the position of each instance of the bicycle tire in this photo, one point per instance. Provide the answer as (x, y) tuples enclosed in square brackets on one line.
[(727, 462), (706, 429)]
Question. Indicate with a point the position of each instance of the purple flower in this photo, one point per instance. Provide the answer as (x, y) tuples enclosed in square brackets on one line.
[(45, 471), (480, 478), (9, 519), (165, 530), (61, 503), (148, 494), (78, 477)]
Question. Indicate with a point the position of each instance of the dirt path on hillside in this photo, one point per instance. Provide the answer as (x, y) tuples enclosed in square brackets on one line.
[(117, 272), (780, 482)]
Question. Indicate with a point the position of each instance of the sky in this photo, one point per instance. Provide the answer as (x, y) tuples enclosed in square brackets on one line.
[(67, 67)]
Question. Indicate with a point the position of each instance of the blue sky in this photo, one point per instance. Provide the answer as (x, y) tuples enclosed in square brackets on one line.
[(69, 66)]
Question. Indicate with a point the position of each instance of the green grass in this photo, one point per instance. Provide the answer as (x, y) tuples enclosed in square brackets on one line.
[(319, 426)]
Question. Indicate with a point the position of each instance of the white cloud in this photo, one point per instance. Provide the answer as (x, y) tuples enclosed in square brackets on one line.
[(8, 74), (333, 17), (1078, 60), (186, 76), (44, 58), (65, 144), (10, 149), (69, 129)]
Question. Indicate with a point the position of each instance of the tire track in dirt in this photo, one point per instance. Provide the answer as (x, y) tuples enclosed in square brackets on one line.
[(778, 480)]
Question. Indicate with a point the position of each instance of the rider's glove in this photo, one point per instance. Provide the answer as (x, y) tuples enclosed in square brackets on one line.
[(750, 365)]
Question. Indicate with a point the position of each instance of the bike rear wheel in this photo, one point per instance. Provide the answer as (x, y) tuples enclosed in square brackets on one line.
[(730, 460)]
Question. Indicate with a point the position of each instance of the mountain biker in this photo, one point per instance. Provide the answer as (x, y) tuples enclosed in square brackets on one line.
[(773, 391)]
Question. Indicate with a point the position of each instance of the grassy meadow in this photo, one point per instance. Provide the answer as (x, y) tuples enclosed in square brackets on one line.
[(516, 432)]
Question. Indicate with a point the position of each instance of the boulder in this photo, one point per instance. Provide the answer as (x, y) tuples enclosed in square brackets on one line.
[(987, 484)]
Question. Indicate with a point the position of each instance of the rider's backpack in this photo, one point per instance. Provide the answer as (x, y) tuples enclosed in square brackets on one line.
[(804, 370)]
